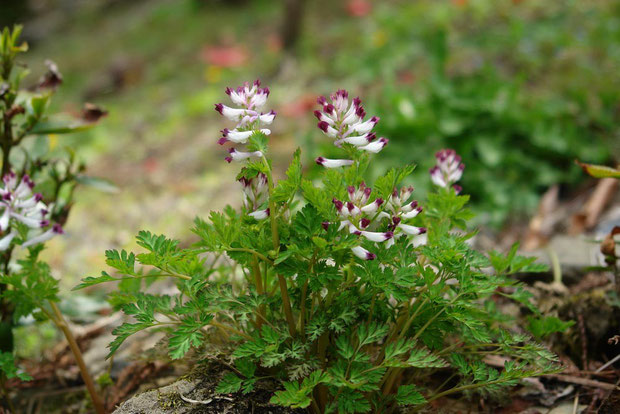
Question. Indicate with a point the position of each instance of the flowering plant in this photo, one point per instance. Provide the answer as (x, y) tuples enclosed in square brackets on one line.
[(31, 214), (353, 296)]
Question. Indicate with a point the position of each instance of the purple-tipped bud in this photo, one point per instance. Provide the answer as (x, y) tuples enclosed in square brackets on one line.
[(228, 159), (44, 223), (257, 82), (338, 204), (38, 197), (379, 201), (229, 91), (396, 220), (321, 100), (222, 140), (357, 101), (318, 114), (325, 225), (364, 222), (220, 108), (457, 188), (57, 228), (6, 196), (323, 126)]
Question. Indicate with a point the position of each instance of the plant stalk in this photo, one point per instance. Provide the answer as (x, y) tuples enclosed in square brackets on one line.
[(61, 323)]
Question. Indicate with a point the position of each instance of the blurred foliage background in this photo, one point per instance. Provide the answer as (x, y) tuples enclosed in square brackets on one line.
[(520, 88)]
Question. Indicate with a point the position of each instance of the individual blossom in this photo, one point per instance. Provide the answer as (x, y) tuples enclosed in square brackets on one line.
[(248, 116), (448, 170), (255, 195), (345, 123), (399, 208), (18, 203), (358, 214)]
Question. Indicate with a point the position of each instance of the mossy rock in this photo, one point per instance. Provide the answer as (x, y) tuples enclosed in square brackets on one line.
[(196, 394)]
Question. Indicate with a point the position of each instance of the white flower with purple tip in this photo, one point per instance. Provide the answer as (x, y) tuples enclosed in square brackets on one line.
[(448, 170), (255, 195), (248, 117), (357, 216), (18, 203), (345, 123)]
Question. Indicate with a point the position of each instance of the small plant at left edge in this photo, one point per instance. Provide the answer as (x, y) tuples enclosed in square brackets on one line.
[(36, 195)]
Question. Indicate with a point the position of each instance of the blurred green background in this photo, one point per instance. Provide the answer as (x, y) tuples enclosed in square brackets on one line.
[(520, 88)]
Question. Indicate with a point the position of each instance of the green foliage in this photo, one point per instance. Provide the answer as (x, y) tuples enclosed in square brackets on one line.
[(9, 369), (291, 298), (544, 326)]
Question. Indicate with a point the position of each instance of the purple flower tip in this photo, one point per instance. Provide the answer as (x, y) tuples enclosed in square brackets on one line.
[(325, 225), (364, 222), (44, 223), (370, 256), (320, 160), (57, 228), (228, 91), (222, 140), (422, 230), (219, 107), (323, 126), (389, 235), (38, 197), (379, 201), (228, 159)]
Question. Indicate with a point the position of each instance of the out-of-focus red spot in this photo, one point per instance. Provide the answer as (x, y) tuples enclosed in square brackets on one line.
[(406, 77), (274, 43), (225, 56), (150, 165), (358, 8), (460, 3), (301, 106)]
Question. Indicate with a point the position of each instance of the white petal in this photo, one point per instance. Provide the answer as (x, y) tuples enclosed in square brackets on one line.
[(362, 253), (260, 214), (331, 163), (411, 230), (4, 219), (375, 146), (5, 242)]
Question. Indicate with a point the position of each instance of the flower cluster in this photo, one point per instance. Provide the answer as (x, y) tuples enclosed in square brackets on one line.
[(248, 116), (345, 124), (358, 214), (255, 195), (399, 208), (20, 204), (448, 170)]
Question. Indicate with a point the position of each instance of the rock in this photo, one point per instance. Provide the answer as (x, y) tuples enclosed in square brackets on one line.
[(196, 394)]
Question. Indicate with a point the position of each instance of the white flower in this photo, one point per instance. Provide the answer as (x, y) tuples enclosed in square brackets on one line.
[(43, 237), (260, 214), (240, 156), (375, 146), (345, 123), (363, 254), (17, 202), (329, 163), (448, 170), (249, 119)]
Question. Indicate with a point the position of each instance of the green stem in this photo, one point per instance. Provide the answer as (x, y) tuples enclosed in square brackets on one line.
[(286, 302)]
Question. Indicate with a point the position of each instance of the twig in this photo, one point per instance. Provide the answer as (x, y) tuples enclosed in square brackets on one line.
[(608, 363), (584, 381)]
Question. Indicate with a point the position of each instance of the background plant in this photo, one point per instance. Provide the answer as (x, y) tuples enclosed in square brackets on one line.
[(353, 296), (32, 213)]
